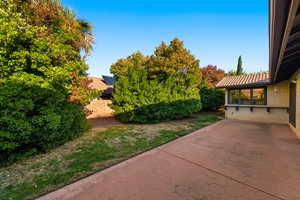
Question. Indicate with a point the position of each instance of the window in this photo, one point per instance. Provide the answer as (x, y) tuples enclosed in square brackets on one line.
[(234, 96), (245, 96), (258, 97), (252, 96)]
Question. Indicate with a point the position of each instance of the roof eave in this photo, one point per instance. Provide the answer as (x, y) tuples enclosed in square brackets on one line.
[(283, 13), (244, 86)]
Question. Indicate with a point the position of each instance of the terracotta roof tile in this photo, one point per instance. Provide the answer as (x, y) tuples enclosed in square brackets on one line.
[(98, 84), (248, 80)]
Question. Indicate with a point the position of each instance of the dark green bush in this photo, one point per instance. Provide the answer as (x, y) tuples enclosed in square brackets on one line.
[(40, 67), (34, 119), (211, 98), (143, 100)]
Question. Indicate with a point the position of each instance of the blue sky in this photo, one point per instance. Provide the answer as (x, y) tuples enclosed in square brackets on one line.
[(215, 31)]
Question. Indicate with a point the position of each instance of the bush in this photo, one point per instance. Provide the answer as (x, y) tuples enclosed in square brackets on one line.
[(40, 67), (34, 119), (139, 99), (212, 98)]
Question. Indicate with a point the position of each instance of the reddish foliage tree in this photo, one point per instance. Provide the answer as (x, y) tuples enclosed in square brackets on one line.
[(212, 75)]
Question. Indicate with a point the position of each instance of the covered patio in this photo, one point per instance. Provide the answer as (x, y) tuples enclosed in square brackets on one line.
[(231, 159)]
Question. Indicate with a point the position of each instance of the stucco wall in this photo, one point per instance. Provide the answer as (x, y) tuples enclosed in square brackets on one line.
[(258, 114), (277, 95), (296, 77)]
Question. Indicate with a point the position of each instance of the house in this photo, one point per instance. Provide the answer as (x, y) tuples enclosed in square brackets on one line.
[(272, 96), (109, 80), (100, 108), (105, 85)]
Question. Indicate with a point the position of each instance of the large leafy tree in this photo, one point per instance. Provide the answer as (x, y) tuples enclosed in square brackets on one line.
[(212, 75), (122, 66), (61, 25), (40, 65), (173, 59), (211, 97), (160, 87), (60, 22)]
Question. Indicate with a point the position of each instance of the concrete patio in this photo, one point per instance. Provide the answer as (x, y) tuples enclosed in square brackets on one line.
[(230, 160)]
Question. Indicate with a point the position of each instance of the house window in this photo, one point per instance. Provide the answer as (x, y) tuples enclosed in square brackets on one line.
[(252, 96), (258, 97), (245, 96), (234, 96)]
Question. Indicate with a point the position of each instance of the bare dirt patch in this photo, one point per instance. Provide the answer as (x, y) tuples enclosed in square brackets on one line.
[(99, 109)]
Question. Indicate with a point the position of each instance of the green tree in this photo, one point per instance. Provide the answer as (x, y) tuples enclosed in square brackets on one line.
[(173, 59), (161, 87), (39, 68), (61, 22), (212, 75), (122, 66), (239, 70)]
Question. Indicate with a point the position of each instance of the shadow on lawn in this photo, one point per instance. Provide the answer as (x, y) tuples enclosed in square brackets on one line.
[(104, 122)]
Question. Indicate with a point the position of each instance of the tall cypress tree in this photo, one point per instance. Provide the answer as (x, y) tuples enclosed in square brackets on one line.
[(239, 70)]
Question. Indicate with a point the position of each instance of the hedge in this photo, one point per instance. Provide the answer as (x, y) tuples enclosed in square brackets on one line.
[(34, 119), (138, 99), (211, 98)]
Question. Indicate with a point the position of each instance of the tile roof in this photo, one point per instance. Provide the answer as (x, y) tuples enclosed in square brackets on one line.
[(248, 80), (109, 80), (97, 84)]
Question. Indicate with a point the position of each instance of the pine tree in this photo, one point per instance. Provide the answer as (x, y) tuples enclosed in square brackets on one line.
[(239, 70)]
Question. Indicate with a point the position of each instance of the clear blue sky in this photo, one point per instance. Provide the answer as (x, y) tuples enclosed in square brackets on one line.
[(215, 31)]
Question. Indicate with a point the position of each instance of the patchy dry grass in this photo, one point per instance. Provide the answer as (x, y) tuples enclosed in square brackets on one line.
[(88, 154)]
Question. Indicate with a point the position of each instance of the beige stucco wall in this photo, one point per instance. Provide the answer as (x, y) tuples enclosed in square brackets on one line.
[(258, 114), (296, 77), (277, 95)]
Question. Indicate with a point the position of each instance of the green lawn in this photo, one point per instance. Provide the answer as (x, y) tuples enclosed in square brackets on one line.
[(94, 151)]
